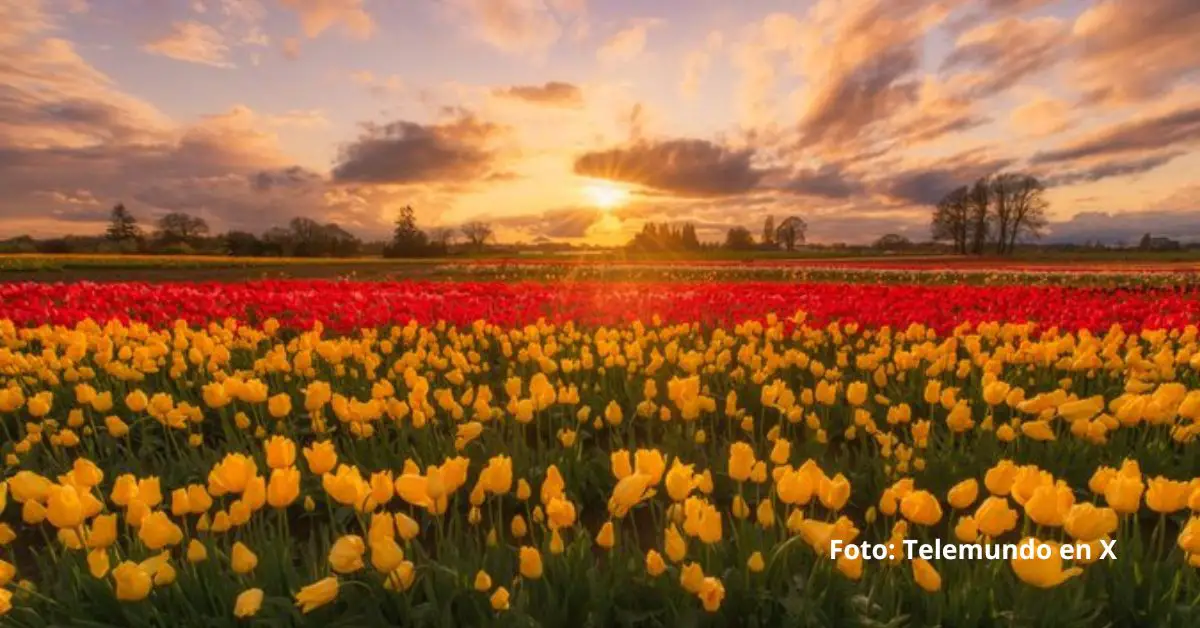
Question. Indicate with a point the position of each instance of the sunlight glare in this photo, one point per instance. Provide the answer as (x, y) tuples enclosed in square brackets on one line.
[(606, 195)]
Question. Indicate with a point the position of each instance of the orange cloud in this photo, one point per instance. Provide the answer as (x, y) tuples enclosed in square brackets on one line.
[(317, 16), (1041, 117), (193, 42), (626, 44), (1131, 50), (519, 26), (552, 93)]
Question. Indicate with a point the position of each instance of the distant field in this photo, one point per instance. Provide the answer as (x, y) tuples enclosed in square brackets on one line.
[(1105, 269)]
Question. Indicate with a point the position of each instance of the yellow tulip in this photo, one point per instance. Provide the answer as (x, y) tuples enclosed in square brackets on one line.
[(921, 507), (926, 576), (317, 594), (281, 452), (132, 582), (834, 493), (63, 507), (530, 563), (284, 487), (242, 560), (98, 564), (741, 461), (483, 582), (711, 593), (1043, 573), (322, 458), (755, 563), (247, 603), (499, 599), (994, 517), (654, 563), (346, 555), (606, 538), (691, 578), (963, 494), (1167, 496)]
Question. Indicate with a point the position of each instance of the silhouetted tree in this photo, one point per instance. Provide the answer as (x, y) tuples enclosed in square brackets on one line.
[(979, 213), (181, 228), (664, 237), (1024, 208), (278, 242), (477, 233), (242, 244), (892, 242), (337, 242), (791, 232), (442, 238), (950, 219), (739, 239), (768, 235), (407, 239), (689, 240), (122, 226)]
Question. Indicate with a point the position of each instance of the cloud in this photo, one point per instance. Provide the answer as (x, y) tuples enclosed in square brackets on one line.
[(860, 65), (290, 48), (553, 93), (294, 177), (684, 167), (696, 64), (1125, 227), (317, 16), (1041, 117), (570, 222), (627, 44), (403, 152), (518, 26), (299, 118), (828, 181), (995, 56), (1112, 168), (1178, 128), (193, 42), (73, 145), (927, 183), (377, 85), (1133, 50)]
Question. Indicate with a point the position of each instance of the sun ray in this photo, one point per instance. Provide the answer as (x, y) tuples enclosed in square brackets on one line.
[(605, 195)]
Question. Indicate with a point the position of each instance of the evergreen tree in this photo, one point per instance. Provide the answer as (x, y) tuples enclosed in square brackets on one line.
[(122, 225), (407, 239)]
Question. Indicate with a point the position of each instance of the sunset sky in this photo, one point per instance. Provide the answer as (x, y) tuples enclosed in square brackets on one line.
[(579, 120)]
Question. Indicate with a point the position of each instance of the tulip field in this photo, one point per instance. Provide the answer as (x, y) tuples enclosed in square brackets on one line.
[(597, 453)]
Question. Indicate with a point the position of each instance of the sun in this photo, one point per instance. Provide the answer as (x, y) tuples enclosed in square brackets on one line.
[(606, 195)]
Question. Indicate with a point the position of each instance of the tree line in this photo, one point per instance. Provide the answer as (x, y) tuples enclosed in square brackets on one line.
[(993, 213), (180, 233), (661, 237)]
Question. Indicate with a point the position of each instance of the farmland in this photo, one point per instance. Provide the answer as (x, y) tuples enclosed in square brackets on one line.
[(646, 443)]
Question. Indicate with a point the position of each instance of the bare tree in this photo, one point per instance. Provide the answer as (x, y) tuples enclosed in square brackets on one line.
[(478, 233), (1002, 187), (768, 236), (181, 227), (443, 236), (950, 219), (1027, 208), (791, 231), (979, 213)]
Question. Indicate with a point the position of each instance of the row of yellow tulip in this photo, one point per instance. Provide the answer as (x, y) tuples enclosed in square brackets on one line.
[(637, 475)]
